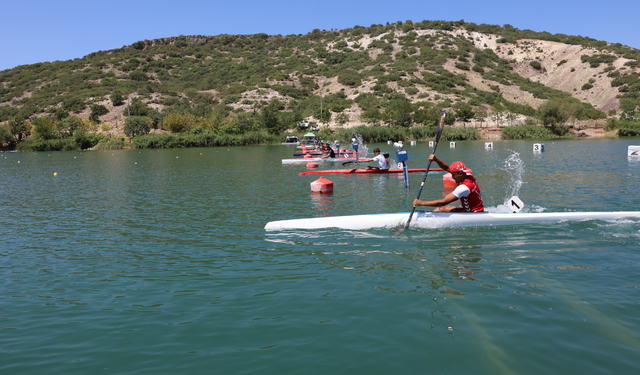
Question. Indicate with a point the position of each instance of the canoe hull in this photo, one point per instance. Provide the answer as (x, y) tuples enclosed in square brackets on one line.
[(443, 220), (370, 171)]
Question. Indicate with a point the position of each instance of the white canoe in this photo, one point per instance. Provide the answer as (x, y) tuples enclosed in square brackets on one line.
[(443, 219)]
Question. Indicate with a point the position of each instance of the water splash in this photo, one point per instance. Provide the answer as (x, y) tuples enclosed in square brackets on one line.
[(515, 167), (362, 149)]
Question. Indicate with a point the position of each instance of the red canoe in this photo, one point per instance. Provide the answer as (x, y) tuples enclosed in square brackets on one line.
[(374, 171)]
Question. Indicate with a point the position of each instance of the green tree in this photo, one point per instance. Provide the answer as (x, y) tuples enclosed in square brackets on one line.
[(270, 118), (552, 113), (181, 122), (43, 128), (117, 98), (137, 108), (481, 114), (349, 78), (137, 125), (371, 116), (18, 129), (74, 104), (398, 113), (138, 75), (288, 120), (6, 139), (97, 110), (69, 125), (60, 114), (464, 114), (427, 116), (341, 119)]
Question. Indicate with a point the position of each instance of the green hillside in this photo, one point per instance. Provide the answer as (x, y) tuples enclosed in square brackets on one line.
[(397, 75)]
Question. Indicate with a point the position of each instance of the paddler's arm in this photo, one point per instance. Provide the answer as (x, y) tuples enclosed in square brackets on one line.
[(441, 164), (436, 203)]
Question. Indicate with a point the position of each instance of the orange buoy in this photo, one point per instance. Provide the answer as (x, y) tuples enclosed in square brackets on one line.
[(308, 156), (449, 184), (312, 164), (322, 186)]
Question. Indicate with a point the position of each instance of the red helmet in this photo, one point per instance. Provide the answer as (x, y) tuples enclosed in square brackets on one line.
[(459, 167)]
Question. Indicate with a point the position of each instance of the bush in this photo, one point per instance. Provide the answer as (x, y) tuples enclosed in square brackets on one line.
[(204, 139), (97, 110), (137, 75), (179, 122), (535, 65), (6, 139), (73, 104), (349, 78), (86, 140), (527, 132), (117, 98), (137, 125), (411, 90), (587, 86), (66, 144), (116, 143), (628, 128)]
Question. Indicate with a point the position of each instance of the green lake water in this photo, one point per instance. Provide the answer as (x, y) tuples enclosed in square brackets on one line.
[(157, 262)]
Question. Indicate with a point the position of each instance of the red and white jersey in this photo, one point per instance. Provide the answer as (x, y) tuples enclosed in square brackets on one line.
[(469, 194)]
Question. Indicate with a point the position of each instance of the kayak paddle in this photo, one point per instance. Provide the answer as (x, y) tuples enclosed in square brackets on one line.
[(435, 145)]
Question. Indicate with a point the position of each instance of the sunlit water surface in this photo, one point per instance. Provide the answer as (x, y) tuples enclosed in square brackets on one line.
[(147, 261)]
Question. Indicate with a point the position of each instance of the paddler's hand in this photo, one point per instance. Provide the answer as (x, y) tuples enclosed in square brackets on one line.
[(416, 202), (432, 157)]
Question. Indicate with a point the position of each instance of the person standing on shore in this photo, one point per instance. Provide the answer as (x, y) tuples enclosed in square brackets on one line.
[(467, 191)]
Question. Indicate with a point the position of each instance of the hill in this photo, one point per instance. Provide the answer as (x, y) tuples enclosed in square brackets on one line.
[(397, 74)]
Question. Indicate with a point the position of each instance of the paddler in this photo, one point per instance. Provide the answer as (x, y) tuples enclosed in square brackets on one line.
[(467, 190), (329, 152), (382, 162)]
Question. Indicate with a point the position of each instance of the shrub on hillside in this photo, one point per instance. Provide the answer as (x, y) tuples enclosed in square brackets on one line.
[(137, 125), (349, 78), (97, 110)]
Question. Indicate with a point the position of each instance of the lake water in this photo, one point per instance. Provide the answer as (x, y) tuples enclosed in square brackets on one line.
[(157, 262)]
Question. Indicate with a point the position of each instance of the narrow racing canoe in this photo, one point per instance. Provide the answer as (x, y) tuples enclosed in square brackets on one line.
[(370, 171), (444, 219)]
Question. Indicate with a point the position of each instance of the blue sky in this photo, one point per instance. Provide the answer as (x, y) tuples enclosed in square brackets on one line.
[(36, 31)]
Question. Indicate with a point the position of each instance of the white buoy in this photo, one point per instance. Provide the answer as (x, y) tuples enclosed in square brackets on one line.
[(452, 145), (633, 151), (488, 145), (388, 142), (413, 143), (538, 147), (430, 143)]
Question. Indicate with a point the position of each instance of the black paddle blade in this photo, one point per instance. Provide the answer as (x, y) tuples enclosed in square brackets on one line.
[(348, 162)]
